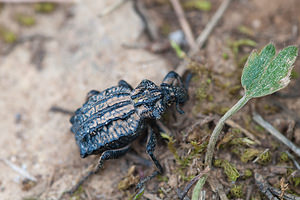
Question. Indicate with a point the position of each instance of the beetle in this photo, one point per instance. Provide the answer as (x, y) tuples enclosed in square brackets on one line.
[(109, 121)]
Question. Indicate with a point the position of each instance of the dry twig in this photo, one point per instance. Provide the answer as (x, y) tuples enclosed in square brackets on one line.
[(204, 35), (293, 159), (218, 188), (192, 182), (209, 27), (19, 170), (246, 132), (184, 24), (258, 119)]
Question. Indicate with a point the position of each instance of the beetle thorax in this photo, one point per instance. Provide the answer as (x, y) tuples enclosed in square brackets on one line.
[(148, 102)]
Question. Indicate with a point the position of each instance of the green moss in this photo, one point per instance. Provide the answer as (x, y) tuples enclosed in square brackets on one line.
[(235, 45), (44, 7), (162, 178), (76, 195), (225, 56), (237, 191), (247, 173), (295, 180), (235, 89), (218, 163), (294, 74), (230, 170), (25, 20), (198, 5), (249, 154), (284, 157), (201, 93), (222, 110), (264, 158), (245, 30), (7, 35)]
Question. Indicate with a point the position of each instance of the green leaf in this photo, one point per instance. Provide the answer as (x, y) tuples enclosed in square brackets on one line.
[(265, 73), (198, 187)]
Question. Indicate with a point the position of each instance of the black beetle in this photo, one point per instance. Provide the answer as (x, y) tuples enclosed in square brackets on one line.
[(110, 120)]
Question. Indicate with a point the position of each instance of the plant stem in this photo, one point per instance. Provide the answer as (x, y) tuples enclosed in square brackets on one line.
[(214, 136)]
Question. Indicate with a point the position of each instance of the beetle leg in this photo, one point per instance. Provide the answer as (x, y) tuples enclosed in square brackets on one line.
[(123, 83), (109, 154), (150, 150)]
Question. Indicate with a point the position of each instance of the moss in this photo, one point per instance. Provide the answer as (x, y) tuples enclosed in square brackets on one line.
[(162, 178), (201, 93), (26, 20), (235, 89), (249, 154), (235, 45), (270, 109), (264, 158), (284, 157), (294, 180), (218, 163), (222, 110), (225, 56), (198, 5), (294, 74), (76, 195), (247, 173), (237, 191), (7, 35), (242, 141), (230, 170), (44, 7), (245, 30)]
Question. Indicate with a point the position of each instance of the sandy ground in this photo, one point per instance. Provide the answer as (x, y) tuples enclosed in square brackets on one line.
[(82, 52), (72, 51)]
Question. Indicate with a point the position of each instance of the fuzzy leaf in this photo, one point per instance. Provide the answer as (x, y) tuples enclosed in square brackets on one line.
[(265, 73)]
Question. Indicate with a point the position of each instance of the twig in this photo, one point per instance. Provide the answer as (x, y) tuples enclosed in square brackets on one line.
[(204, 35), (218, 188), (150, 196), (110, 9), (258, 119), (293, 159), (259, 156), (192, 182), (246, 132), (19, 170), (209, 27), (271, 192), (263, 186), (184, 24), (249, 192), (150, 29)]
